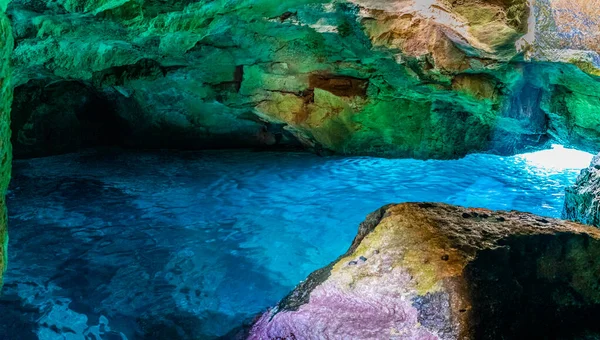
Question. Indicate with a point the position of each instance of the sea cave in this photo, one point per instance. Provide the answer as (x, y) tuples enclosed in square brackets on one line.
[(299, 169)]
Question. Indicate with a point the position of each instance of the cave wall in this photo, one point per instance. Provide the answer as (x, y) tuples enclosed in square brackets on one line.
[(6, 45), (582, 200), (405, 78)]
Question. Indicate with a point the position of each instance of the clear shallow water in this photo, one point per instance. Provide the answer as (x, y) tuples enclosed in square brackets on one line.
[(115, 245)]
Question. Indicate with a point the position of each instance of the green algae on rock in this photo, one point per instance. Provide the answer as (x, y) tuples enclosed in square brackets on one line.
[(6, 46), (436, 79), (435, 271)]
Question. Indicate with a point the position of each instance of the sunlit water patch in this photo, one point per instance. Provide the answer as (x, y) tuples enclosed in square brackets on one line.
[(122, 245)]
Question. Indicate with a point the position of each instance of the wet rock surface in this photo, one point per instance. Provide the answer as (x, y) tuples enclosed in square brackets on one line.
[(582, 200), (436, 271), (404, 78)]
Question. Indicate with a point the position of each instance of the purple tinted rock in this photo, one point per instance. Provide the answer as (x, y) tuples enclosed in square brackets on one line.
[(437, 275)]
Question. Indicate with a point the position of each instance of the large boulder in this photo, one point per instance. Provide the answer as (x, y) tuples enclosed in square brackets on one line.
[(424, 79), (435, 271), (582, 200), (6, 46)]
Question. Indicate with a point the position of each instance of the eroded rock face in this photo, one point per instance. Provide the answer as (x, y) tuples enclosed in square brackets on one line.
[(424, 79), (582, 201), (434, 271), (6, 45), (566, 31)]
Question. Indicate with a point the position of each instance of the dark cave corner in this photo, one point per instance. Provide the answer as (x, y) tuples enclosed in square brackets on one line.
[(61, 117), (536, 287), (51, 118)]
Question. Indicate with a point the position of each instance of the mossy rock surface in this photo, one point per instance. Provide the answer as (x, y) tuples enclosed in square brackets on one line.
[(435, 271)]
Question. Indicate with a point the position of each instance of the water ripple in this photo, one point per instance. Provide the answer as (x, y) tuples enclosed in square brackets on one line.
[(176, 246)]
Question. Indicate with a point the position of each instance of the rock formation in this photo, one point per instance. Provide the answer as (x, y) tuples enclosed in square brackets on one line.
[(6, 45), (434, 271), (424, 79), (582, 200)]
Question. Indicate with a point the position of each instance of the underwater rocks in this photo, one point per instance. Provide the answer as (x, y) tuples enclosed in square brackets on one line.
[(434, 79), (582, 200), (6, 46), (435, 271)]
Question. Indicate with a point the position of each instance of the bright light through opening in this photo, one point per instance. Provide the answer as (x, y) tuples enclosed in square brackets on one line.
[(559, 158)]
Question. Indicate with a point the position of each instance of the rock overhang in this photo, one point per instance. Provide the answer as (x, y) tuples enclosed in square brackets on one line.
[(438, 79)]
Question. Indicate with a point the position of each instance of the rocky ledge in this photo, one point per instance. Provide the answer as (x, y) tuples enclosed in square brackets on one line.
[(582, 200), (435, 271)]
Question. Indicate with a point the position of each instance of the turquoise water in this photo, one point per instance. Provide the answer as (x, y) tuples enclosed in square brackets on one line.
[(132, 245)]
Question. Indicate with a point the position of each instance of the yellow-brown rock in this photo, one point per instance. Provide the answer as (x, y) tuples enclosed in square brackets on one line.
[(435, 271)]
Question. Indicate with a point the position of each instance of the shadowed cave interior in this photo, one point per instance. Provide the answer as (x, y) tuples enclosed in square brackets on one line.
[(529, 288)]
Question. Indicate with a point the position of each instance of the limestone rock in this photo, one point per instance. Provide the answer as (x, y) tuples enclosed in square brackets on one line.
[(402, 78), (565, 31), (582, 200), (434, 271)]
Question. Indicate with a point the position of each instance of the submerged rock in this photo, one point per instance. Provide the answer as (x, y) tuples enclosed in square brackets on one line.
[(423, 79), (436, 271), (582, 200)]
